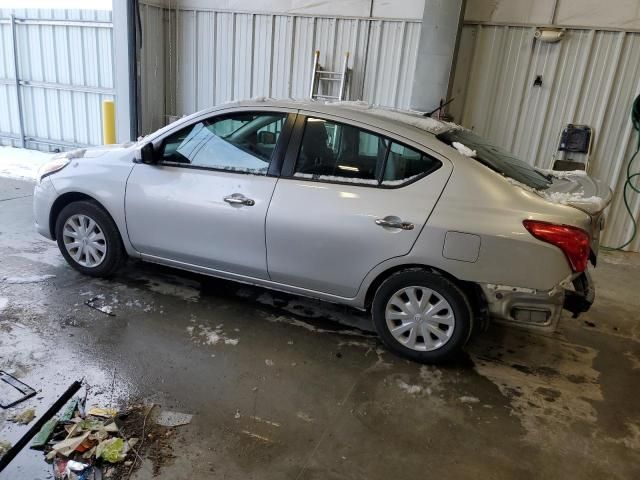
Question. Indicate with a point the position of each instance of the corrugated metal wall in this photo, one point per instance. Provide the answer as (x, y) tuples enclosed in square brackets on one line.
[(65, 70), (590, 77), (221, 56)]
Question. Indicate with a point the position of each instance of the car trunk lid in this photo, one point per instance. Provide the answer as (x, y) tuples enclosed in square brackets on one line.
[(578, 190)]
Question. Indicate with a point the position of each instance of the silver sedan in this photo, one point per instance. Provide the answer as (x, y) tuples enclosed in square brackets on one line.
[(428, 226)]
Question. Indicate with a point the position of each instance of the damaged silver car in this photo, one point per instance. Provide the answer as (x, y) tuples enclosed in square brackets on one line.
[(426, 225)]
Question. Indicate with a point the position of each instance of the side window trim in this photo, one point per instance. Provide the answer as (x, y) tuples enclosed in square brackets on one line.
[(295, 145), (277, 158)]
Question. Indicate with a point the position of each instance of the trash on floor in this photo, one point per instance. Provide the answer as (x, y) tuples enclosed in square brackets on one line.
[(13, 391), (173, 419), (102, 412), (93, 302), (99, 442), (4, 447), (110, 442), (24, 417), (39, 424)]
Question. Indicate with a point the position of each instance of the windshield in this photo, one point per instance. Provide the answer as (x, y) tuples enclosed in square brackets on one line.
[(496, 158)]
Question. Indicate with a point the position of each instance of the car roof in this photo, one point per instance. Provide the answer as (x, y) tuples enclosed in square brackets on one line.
[(406, 123)]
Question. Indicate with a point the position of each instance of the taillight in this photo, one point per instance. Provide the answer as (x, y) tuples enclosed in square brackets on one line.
[(574, 242)]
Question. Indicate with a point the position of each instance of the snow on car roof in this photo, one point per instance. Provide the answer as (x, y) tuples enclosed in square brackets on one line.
[(343, 108), (409, 117)]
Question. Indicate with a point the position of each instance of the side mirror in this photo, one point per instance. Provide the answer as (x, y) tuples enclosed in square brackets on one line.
[(147, 154)]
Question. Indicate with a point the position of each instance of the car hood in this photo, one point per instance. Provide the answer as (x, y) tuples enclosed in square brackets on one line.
[(578, 190), (101, 150)]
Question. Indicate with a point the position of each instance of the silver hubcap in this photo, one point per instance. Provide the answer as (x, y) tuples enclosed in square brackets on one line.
[(84, 240), (420, 318)]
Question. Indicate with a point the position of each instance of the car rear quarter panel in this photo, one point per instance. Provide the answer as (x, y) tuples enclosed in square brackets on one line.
[(481, 202)]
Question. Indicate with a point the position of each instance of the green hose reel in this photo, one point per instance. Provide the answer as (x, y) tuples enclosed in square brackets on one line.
[(629, 187)]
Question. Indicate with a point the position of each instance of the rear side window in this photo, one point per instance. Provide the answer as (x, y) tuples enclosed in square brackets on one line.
[(336, 152), (496, 158), (241, 142)]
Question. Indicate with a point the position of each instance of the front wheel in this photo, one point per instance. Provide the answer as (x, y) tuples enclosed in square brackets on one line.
[(422, 316), (89, 239)]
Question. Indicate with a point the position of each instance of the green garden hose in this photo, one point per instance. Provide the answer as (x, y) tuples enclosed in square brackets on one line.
[(628, 184)]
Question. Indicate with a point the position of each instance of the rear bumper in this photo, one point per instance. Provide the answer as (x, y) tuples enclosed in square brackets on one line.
[(536, 309), (580, 299)]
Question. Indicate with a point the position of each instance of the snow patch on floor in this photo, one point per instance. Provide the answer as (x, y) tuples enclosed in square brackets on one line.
[(108, 309), (544, 378), (410, 389), (635, 361), (467, 399), (49, 256), (27, 279), (21, 163), (307, 326), (309, 308), (305, 417), (210, 336), (175, 286), (3, 303), (145, 307)]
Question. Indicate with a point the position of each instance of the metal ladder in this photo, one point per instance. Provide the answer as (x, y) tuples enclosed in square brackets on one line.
[(320, 75)]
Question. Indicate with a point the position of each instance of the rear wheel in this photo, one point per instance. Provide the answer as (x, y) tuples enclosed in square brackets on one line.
[(422, 316), (89, 239)]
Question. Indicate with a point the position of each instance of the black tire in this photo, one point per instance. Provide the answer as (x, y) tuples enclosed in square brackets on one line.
[(115, 254), (458, 301)]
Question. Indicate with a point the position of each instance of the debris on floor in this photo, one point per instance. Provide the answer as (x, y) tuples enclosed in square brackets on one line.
[(24, 417), (98, 442), (173, 419), (102, 412), (97, 303), (79, 445), (4, 447), (15, 392)]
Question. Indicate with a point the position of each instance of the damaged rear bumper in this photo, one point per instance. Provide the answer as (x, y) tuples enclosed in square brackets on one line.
[(580, 299), (537, 309)]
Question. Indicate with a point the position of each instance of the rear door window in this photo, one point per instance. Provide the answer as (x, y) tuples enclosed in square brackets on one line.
[(337, 152)]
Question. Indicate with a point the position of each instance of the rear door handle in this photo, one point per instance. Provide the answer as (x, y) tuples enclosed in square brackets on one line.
[(391, 222), (239, 199)]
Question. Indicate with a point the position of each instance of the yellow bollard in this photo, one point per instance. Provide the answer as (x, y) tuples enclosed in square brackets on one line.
[(108, 122)]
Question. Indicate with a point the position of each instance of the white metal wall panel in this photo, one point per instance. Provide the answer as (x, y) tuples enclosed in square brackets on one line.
[(65, 69), (214, 57), (590, 77), (153, 68)]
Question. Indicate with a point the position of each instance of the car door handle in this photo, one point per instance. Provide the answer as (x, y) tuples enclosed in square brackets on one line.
[(238, 199), (388, 222)]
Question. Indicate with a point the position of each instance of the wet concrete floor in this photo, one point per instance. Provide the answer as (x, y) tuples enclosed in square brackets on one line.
[(285, 387)]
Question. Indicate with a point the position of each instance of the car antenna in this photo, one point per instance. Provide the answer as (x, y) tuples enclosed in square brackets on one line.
[(442, 105)]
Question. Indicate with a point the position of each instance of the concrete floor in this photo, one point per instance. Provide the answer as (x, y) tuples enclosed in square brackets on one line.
[(517, 405)]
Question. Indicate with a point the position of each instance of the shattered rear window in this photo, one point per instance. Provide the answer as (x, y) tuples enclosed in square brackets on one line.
[(496, 158)]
